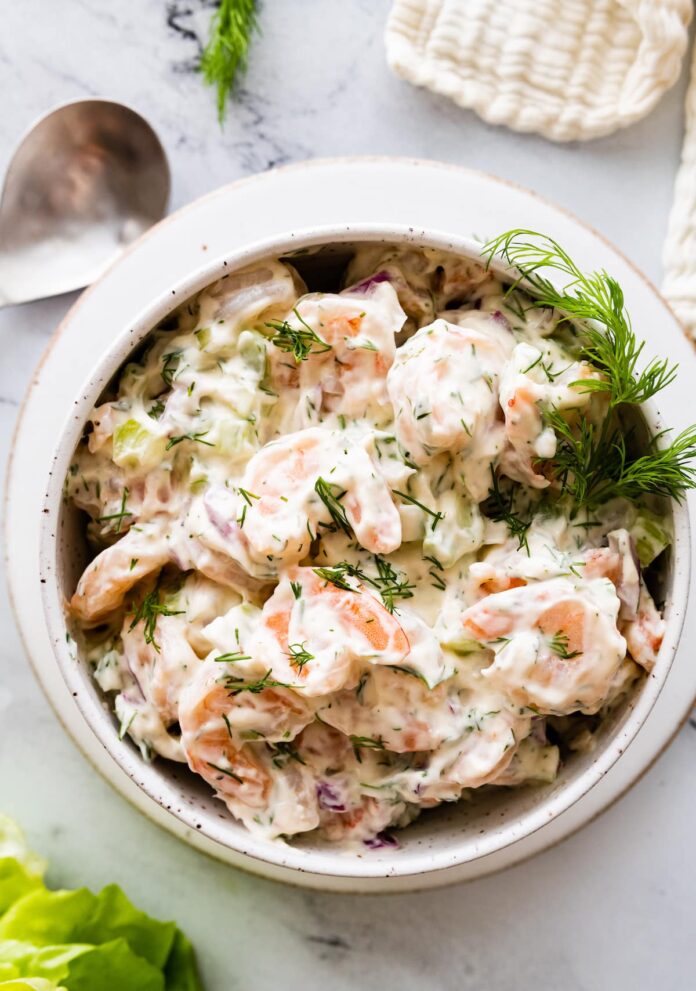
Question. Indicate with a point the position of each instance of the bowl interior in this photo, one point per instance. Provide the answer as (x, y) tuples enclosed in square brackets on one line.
[(451, 834)]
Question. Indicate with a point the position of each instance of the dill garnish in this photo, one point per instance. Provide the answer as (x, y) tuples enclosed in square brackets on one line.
[(388, 582), (237, 685), (593, 462), (587, 296), (300, 342), (500, 508), (336, 575), (299, 655), (119, 516), (325, 491), (170, 364), (147, 612), (225, 55), (225, 770), (436, 516), (558, 643), (233, 657), (197, 438)]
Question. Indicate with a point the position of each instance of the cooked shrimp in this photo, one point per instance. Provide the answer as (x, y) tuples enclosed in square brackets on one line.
[(142, 552), (487, 735), (303, 482), (394, 710), (443, 386), (350, 355), (319, 638), (162, 665), (529, 384), (645, 633), (113, 573), (556, 643), (217, 716)]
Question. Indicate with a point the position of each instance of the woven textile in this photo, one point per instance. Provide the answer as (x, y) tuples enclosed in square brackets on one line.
[(679, 286), (569, 69)]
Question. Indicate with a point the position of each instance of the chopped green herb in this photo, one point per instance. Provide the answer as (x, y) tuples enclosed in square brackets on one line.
[(436, 516), (198, 438), (300, 342), (326, 492), (147, 612), (119, 516)]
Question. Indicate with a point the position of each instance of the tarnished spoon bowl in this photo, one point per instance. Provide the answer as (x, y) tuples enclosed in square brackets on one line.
[(85, 181)]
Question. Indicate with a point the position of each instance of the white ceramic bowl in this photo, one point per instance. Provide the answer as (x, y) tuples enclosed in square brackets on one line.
[(439, 840)]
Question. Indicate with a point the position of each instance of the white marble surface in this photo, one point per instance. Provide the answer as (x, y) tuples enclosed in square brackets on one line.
[(612, 909)]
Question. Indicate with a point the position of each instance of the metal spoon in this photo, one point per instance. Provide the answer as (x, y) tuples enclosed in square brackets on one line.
[(85, 180)]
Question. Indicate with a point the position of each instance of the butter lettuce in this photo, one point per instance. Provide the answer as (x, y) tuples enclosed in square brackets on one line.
[(80, 941), (21, 870)]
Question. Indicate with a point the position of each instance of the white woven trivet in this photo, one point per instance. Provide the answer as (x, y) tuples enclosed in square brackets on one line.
[(679, 286), (569, 69)]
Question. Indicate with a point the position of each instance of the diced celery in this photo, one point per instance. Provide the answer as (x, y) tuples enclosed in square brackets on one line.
[(651, 536), (203, 337), (252, 349), (233, 438), (136, 447)]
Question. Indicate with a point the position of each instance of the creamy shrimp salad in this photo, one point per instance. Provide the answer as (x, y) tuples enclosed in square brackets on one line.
[(336, 572)]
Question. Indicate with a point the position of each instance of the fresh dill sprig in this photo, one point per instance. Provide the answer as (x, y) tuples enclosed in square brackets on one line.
[(119, 516), (147, 612), (587, 296), (283, 752), (366, 742), (299, 655), (226, 771), (558, 643), (300, 342), (156, 410), (436, 516), (225, 56), (237, 685), (369, 742), (233, 657), (388, 582), (170, 365), (336, 575), (500, 508), (592, 463), (197, 438), (246, 495), (325, 491)]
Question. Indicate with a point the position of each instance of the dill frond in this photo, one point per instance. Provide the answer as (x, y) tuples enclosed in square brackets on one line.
[(225, 55), (587, 296)]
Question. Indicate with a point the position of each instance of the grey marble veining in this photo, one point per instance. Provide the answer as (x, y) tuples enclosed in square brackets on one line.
[(611, 909)]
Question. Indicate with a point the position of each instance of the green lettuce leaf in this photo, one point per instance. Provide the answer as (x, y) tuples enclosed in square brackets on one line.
[(76, 940), (110, 967), (50, 917), (29, 984), (20, 869)]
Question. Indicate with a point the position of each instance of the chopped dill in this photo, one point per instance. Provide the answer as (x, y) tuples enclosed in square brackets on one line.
[(147, 612), (300, 342)]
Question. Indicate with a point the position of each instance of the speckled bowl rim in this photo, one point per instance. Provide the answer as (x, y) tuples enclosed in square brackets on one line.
[(83, 688)]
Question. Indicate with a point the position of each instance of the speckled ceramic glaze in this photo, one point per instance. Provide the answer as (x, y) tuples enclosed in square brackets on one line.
[(323, 204)]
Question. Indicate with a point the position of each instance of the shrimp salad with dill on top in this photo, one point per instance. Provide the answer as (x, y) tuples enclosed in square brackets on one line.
[(359, 553)]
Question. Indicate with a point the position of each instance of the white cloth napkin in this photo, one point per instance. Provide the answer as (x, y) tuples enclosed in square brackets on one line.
[(569, 69), (679, 256)]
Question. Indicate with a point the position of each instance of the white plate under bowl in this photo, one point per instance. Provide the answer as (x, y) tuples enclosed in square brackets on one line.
[(383, 193)]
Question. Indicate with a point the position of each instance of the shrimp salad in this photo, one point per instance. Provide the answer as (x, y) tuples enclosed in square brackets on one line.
[(343, 568)]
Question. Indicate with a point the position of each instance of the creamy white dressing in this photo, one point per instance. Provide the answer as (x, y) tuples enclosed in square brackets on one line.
[(304, 590)]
